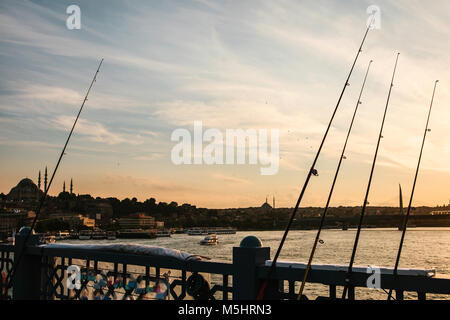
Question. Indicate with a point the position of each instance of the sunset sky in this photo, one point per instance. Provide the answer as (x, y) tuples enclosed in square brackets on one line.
[(230, 64)]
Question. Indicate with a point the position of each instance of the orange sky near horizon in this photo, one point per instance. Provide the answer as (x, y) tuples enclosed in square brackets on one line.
[(272, 66)]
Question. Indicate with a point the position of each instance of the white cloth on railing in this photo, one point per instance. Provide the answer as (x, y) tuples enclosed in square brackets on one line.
[(130, 248), (357, 269)]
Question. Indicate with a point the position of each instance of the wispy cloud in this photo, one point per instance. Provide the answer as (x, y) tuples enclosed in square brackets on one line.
[(230, 179), (262, 64), (95, 131)]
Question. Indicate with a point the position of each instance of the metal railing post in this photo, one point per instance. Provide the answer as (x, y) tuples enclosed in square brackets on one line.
[(27, 280), (246, 258)]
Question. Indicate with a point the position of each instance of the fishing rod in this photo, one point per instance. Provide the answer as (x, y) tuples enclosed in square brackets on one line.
[(401, 199), (312, 170), (405, 220), (44, 197), (322, 220), (380, 136)]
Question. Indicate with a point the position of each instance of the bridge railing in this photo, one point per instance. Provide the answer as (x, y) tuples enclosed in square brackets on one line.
[(420, 287), (43, 272)]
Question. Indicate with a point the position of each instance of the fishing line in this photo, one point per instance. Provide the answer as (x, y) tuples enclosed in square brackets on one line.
[(380, 136), (312, 170), (405, 220), (322, 220), (43, 198)]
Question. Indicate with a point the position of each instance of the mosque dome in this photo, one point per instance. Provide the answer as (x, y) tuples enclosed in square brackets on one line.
[(25, 190)]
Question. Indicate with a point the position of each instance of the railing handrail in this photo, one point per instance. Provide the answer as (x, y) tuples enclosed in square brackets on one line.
[(134, 259), (411, 283), (6, 247), (247, 269)]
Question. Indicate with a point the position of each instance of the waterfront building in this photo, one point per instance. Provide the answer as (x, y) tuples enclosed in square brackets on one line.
[(13, 220), (75, 220), (136, 221)]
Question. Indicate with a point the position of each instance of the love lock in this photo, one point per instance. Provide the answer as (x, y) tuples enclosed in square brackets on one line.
[(198, 287)]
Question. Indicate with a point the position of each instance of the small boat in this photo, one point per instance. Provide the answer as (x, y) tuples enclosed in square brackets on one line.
[(62, 235), (210, 240), (11, 239), (46, 238), (85, 235), (163, 233), (111, 235), (98, 235)]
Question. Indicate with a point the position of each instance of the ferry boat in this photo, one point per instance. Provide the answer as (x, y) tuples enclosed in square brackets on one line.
[(163, 233), (210, 240), (197, 232), (62, 235), (221, 231), (98, 235), (73, 235), (137, 234), (85, 235), (111, 235)]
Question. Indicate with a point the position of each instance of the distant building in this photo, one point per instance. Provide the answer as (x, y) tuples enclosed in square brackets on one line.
[(92, 207), (63, 215), (105, 209), (14, 220), (25, 190), (438, 213), (74, 220), (159, 224), (87, 222), (137, 221), (266, 206)]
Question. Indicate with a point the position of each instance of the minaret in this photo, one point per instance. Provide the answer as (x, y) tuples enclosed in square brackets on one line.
[(273, 206), (64, 186), (266, 200), (71, 186), (39, 180), (45, 180)]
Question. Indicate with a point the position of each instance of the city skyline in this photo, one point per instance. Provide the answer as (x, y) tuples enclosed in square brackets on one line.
[(270, 65)]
